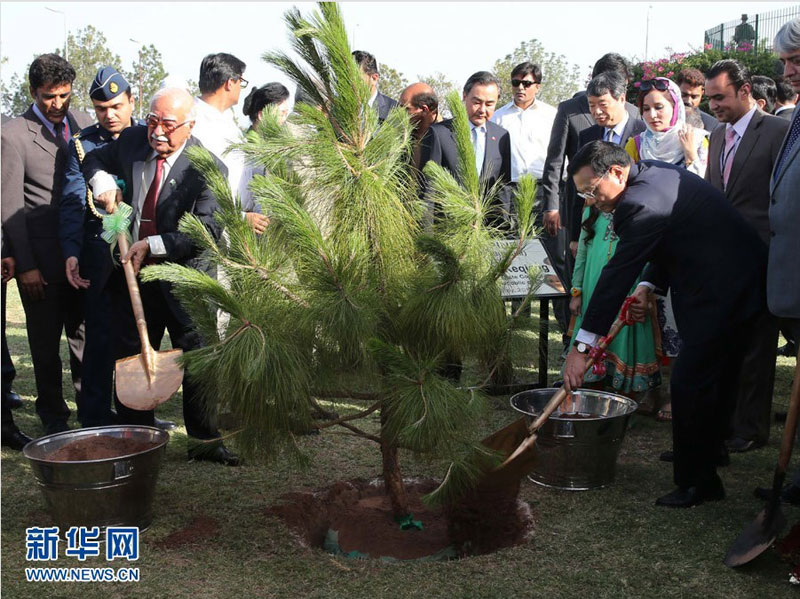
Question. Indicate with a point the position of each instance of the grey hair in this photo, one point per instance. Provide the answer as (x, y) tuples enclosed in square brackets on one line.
[(788, 37), (610, 82), (176, 93)]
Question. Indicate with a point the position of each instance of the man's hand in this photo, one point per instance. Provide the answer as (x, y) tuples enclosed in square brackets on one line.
[(8, 267), (258, 221), (639, 309), (552, 222), (575, 305), (573, 247), (137, 254), (31, 283), (74, 274), (108, 200), (574, 369)]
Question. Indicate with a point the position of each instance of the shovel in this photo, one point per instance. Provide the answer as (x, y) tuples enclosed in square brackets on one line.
[(518, 439), (150, 378), (762, 532)]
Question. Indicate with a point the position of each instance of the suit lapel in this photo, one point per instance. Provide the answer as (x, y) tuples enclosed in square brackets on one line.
[(746, 145), (41, 136), (714, 154), (792, 155), (491, 154)]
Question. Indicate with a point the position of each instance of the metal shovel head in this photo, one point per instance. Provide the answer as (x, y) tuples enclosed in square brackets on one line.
[(140, 390), (756, 537), (505, 442)]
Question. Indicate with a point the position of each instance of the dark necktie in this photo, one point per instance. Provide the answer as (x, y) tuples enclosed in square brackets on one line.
[(61, 134), (794, 133), (147, 224)]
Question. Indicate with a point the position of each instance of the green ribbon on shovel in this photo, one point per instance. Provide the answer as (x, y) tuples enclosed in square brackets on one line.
[(408, 522), (117, 223)]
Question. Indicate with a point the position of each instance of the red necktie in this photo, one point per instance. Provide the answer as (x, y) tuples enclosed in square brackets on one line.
[(147, 224), (61, 133)]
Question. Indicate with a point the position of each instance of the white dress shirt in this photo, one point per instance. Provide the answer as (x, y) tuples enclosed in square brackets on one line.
[(530, 135), (740, 127), (102, 182), (216, 131)]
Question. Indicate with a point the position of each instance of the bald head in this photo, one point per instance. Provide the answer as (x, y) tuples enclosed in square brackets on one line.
[(171, 119), (422, 105)]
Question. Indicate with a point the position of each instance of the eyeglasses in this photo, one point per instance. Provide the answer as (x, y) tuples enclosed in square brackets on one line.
[(245, 82), (658, 84), (168, 126), (589, 195), (523, 83)]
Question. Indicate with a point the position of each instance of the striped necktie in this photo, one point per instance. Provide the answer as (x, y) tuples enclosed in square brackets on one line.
[(794, 133)]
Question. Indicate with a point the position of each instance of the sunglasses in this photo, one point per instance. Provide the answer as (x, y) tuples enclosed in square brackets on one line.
[(523, 83), (168, 126), (658, 84)]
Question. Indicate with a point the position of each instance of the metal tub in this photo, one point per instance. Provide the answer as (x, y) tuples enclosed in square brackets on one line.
[(114, 491), (580, 453)]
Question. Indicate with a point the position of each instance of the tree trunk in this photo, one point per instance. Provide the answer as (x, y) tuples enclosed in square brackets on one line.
[(392, 477)]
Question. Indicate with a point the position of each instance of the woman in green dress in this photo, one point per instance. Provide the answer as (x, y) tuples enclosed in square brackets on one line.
[(631, 362)]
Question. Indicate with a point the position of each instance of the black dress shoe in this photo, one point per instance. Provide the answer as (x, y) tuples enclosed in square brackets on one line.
[(12, 399), (214, 453), (165, 425), (56, 427), (723, 459), (15, 439), (789, 494), (739, 445), (683, 498)]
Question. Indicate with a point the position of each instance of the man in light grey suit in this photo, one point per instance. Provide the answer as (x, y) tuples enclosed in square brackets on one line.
[(742, 153), (783, 276), (34, 153)]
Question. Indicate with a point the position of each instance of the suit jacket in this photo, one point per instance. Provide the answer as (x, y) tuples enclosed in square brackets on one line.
[(748, 185), (785, 113), (709, 122), (382, 105), (185, 190), (696, 244), (572, 117), (594, 133), (32, 177), (783, 281)]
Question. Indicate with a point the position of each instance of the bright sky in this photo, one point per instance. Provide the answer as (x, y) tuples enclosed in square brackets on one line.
[(416, 38)]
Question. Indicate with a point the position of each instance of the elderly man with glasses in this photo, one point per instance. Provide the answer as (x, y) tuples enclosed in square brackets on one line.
[(160, 185)]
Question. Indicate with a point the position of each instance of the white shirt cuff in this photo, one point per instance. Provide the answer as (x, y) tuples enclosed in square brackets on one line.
[(647, 284), (586, 337), (101, 183), (157, 248)]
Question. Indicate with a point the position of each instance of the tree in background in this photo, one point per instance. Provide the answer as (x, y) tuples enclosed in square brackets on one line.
[(146, 75), (392, 82), (88, 51), (14, 96), (560, 79), (443, 87)]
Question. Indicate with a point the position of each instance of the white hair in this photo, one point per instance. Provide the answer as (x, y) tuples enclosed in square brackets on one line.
[(177, 94), (787, 40)]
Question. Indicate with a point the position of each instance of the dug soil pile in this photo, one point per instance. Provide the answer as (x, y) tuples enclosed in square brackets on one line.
[(359, 513), (100, 447)]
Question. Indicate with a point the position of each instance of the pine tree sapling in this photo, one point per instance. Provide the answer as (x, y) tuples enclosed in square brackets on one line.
[(366, 307)]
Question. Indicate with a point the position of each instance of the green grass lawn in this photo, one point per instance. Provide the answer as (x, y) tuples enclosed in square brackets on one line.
[(607, 543)]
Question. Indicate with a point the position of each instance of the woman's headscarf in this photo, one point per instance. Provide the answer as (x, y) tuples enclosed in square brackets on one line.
[(665, 145)]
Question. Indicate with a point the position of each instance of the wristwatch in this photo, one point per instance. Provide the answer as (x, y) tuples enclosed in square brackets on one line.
[(582, 347)]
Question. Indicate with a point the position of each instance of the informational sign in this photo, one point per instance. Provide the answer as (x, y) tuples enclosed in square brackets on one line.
[(533, 257)]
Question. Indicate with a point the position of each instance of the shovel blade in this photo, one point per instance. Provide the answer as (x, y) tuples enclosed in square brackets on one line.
[(505, 442), (139, 391), (756, 538)]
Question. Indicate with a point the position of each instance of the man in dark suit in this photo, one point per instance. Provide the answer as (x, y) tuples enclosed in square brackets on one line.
[(691, 82), (786, 98), (34, 151), (606, 96), (161, 186), (741, 157), (491, 143), (714, 263), (381, 103)]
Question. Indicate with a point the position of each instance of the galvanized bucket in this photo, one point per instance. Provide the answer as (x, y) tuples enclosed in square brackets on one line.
[(577, 447), (114, 491)]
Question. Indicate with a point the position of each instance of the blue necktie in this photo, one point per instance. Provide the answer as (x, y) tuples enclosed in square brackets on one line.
[(794, 133)]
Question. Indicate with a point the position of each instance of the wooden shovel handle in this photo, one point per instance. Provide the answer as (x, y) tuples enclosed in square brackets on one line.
[(136, 298), (787, 444)]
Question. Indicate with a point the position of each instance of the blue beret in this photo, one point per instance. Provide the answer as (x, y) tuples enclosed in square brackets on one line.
[(108, 84)]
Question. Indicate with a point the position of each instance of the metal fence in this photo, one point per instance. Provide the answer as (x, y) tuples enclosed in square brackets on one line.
[(752, 33)]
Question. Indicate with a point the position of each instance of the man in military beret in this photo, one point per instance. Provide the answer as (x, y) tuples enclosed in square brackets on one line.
[(88, 262)]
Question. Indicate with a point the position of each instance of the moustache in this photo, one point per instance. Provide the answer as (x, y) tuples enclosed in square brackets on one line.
[(160, 138)]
